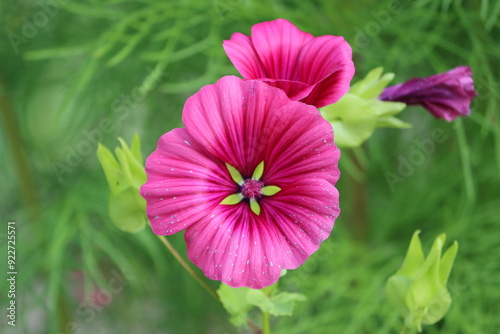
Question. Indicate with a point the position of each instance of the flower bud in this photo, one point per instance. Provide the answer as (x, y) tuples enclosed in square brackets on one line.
[(356, 115), (445, 95), (125, 176), (418, 289)]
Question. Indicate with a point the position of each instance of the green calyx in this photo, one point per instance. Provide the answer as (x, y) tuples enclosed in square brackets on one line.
[(418, 289), (357, 114), (125, 175)]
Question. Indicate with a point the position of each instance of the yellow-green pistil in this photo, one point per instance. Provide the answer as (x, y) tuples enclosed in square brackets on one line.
[(251, 189)]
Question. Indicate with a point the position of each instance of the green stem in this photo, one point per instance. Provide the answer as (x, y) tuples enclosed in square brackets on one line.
[(19, 156), (466, 162), (403, 330), (187, 267), (253, 326), (266, 324), (358, 197)]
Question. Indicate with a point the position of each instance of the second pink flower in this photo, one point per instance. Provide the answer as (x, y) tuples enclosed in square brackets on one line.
[(313, 70)]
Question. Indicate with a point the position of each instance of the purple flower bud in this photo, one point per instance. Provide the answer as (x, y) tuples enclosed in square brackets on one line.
[(446, 95)]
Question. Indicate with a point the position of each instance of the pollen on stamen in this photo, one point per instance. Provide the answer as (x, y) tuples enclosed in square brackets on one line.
[(252, 188)]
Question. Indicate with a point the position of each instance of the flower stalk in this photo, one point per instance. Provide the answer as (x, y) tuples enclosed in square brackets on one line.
[(266, 324), (19, 157), (186, 266)]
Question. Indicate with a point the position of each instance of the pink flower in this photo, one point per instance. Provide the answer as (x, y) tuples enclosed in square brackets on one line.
[(251, 180), (313, 70), (446, 95)]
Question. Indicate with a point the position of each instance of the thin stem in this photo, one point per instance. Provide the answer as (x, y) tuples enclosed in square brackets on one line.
[(253, 326), (358, 197), (403, 330), (19, 156), (187, 267), (266, 325)]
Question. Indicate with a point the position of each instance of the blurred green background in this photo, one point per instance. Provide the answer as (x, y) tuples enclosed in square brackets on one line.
[(73, 73)]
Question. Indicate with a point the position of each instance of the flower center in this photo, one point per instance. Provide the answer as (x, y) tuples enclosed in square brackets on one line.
[(252, 188)]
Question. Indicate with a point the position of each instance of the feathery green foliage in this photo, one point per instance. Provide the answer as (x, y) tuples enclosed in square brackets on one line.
[(84, 72)]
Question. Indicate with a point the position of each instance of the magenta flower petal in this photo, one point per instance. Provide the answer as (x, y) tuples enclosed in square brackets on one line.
[(446, 95), (300, 145), (326, 65), (231, 120), (233, 245), (184, 183), (242, 249), (314, 70), (236, 230), (296, 91), (278, 44), (244, 57), (303, 217), (244, 123)]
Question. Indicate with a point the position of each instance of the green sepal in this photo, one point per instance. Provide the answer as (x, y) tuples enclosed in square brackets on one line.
[(125, 175), (358, 113), (392, 122), (133, 170), (112, 170), (418, 289), (447, 262), (135, 148), (414, 258), (396, 290), (127, 211), (372, 85)]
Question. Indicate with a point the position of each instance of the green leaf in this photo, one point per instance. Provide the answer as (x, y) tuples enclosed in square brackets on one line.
[(239, 301), (280, 304), (235, 302), (127, 210)]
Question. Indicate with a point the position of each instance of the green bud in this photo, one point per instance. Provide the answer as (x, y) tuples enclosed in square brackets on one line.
[(418, 289), (356, 115), (125, 175)]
